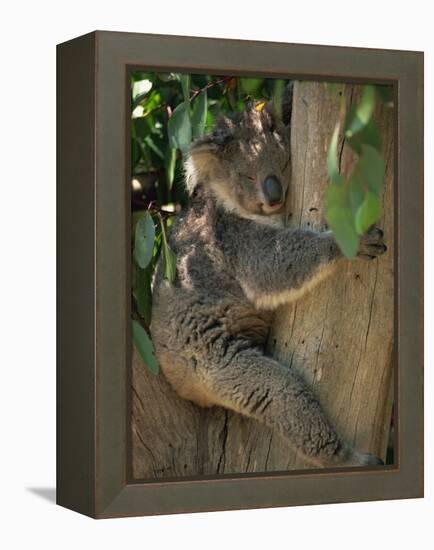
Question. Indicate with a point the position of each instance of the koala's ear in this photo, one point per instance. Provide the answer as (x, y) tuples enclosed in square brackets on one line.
[(218, 141), (202, 162), (205, 145)]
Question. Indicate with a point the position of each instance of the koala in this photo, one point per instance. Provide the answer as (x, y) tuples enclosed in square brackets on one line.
[(236, 263)]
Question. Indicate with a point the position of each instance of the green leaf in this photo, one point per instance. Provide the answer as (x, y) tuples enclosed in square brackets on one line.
[(209, 119), (239, 107), (363, 111), (144, 240), (167, 77), (179, 128), (368, 213), (336, 195), (168, 256), (250, 86), (144, 347), (169, 166), (185, 83), (141, 75), (340, 219), (141, 88), (370, 169), (368, 135), (143, 292), (151, 144), (198, 116), (386, 93), (356, 193), (140, 127), (341, 223), (169, 263), (135, 152), (332, 157)]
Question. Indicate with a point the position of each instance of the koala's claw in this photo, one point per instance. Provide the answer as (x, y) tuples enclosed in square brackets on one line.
[(371, 244)]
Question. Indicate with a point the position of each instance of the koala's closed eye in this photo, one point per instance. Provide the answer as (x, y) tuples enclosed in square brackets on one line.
[(251, 178)]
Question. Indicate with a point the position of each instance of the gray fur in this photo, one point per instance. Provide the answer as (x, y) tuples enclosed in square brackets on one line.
[(235, 264)]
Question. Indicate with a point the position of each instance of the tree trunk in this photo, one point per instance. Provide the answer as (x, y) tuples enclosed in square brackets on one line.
[(340, 336)]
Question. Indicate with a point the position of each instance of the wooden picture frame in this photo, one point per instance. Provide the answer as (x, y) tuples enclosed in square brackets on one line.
[(94, 340)]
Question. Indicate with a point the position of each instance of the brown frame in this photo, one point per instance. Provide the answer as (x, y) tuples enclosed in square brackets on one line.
[(94, 344)]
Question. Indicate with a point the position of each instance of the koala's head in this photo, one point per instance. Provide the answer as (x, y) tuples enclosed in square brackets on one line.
[(244, 163)]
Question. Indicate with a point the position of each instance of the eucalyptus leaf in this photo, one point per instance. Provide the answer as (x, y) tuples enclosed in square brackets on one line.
[(340, 220), (250, 86), (151, 144), (198, 116), (356, 193), (363, 111), (141, 88), (368, 213), (386, 93), (145, 347), (169, 165), (179, 128), (340, 217), (371, 169), (337, 194), (168, 255), (141, 75), (144, 240), (167, 77), (368, 135), (169, 262), (185, 83), (135, 152), (332, 157), (143, 292)]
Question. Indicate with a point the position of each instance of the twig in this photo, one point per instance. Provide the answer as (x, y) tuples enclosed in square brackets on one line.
[(193, 96)]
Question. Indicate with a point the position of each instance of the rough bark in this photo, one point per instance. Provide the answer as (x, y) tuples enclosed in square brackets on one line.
[(339, 337)]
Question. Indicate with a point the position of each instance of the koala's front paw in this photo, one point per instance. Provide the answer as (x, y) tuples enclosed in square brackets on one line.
[(371, 244)]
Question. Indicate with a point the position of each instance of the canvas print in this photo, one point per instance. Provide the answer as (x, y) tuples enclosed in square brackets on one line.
[(262, 265)]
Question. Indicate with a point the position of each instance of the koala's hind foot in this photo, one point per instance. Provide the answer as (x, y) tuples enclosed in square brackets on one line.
[(372, 244), (350, 457), (260, 387), (366, 459)]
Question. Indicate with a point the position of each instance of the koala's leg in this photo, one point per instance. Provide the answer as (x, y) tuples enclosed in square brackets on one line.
[(260, 387)]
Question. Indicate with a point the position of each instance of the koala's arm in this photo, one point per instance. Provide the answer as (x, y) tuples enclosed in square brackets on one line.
[(275, 265)]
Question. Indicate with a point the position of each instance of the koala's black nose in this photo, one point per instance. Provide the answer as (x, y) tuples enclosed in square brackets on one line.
[(273, 191)]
